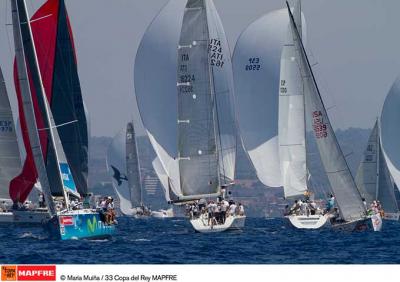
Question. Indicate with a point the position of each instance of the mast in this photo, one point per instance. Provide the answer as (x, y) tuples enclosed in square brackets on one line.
[(23, 34)]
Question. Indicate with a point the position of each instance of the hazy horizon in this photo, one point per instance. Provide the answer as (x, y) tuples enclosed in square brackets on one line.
[(353, 42)]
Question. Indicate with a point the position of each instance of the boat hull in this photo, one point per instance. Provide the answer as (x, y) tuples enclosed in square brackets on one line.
[(162, 214), (231, 223), (391, 216), (24, 217), (81, 224), (307, 222), (353, 226)]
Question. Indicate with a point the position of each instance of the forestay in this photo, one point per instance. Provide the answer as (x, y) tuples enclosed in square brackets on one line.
[(342, 183)]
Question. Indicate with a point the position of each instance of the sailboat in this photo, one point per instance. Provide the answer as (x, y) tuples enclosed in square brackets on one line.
[(196, 145), (292, 131), (53, 170), (373, 177), (10, 163), (124, 169), (57, 59), (352, 212)]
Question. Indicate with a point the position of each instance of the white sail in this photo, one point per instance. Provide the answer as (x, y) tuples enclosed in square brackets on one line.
[(224, 93), (116, 167), (367, 173), (155, 80), (292, 126), (342, 183), (385, 193), (10, 161), (162, 176), (390, 133), (256, 64)]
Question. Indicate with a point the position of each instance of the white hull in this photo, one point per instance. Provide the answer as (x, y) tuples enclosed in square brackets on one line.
[(24, 217), (162, 213), (307, 222), (231, 223), (376, 221)]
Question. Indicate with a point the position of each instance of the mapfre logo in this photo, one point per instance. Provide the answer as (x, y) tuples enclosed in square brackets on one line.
[(36, 273), (66, 220)]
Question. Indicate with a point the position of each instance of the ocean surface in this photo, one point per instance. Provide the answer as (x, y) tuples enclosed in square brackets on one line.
[(173, 241)]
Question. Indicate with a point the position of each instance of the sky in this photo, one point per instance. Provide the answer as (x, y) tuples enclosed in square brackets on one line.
[(356, 44)]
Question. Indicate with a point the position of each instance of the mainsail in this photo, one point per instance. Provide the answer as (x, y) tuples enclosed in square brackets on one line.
[(292, 125), (373, 177), (256, 64), (342, 183), (10, 161), (57, 62), (133, 167)]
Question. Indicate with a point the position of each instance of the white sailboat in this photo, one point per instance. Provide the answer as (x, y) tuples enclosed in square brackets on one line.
[(65, 222), (292, 131), (10, 166), (373, 177), (124, 169), (204, 159), (352, 212)]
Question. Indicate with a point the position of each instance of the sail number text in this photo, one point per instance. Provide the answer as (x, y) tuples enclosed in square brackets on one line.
[(319, 126), (6, 126), (253, 65), (282, 88), (216, 54)]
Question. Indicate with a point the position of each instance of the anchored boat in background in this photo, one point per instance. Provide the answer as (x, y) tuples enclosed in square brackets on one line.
[(53, 169)]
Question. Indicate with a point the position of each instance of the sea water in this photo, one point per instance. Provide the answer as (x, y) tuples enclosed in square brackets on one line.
[(162, 241)]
